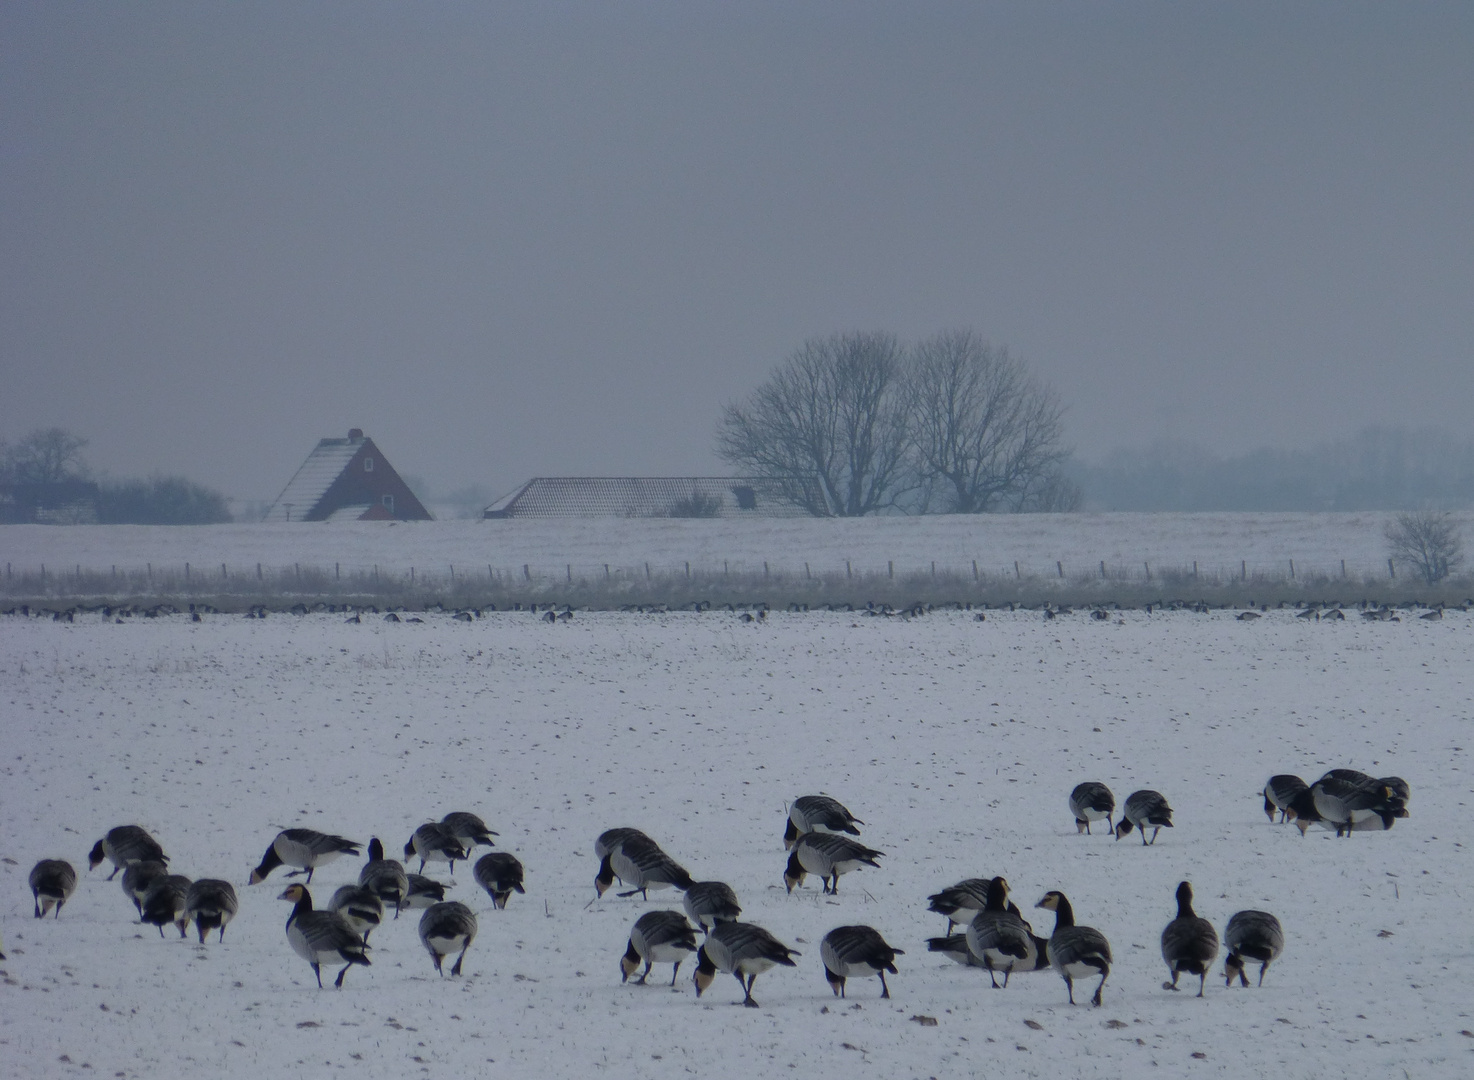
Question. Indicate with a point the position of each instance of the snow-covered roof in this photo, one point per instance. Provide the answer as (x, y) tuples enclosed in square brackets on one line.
[(645, 497), (306, 489)]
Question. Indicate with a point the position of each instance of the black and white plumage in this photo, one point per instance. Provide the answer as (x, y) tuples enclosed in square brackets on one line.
[(139, 877), (658, 937), (828, 855), (1279, 792), (52, 881), (433, 842), (1076, 952), (1144, 808), (361, 906), (305, 849), (500, 874), (710, 902), (1189, 942), (1091, 801), (446, 927), (857, 952), (640, 863), (211, 903), (1000, 938), (423, 892), (1356, 802), (123, 846), (743, 949), (610, 839), (167, 901), (818, 813), (322, 937), (960, 903), (385, 878), (1251, 935), (469, 829)]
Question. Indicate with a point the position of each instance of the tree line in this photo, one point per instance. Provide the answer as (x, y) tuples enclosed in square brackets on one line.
[(44, 478), (860, 423)]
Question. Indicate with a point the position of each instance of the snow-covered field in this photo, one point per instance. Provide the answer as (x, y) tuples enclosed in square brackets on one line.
[(956, 741), (1080, 542)]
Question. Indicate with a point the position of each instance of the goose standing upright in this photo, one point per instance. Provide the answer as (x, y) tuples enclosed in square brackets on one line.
[(500, 874), (1189, 943), (1251, 935), (211, 903), (123, 846), (658, 937), (743, 949), (1000, 938), (305, 849), (1076, 951), (828, 855), (446, 927), (857, 952), (385, 878), (818, 813), (322, 937), (52, 882), (1091, 801), (1145, 808)]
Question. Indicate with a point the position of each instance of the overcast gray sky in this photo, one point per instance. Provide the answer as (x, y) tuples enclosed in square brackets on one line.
[(542, 238)]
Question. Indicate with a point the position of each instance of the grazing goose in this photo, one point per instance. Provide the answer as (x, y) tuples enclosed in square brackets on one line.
[(52, 881), (745, 950), (385, 878), (954, 948), (211, 903), (1398, 786), (1000, 938), (167, 902), (1076, 951), (711, 902), (641, 864), (500, 874), (124, 845), (1189, 943), (1145, 808), (302, 848), (1089, 802), (139, 877), (361, 906), (610, 839), (960, 902), (322, 937), (444, 928), (423, 892), (658, 937), (433, 842), (469, 829), (1303, 814), (1344, 803), (818, 813), (1280, 792), (857, 952), (1251, 935), (827, 855)]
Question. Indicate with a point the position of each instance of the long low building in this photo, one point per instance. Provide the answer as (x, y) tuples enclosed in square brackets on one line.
[(646, 497)]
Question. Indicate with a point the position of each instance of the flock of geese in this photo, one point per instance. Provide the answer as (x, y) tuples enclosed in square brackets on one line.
[(820, 838)]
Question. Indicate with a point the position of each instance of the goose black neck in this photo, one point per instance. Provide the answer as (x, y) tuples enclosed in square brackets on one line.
[(1064, 915), (997, 896), (376, 850), (1185, 901), (269, 862)]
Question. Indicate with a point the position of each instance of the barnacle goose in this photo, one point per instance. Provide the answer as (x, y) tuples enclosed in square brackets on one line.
[(361, 906), (711, 902), (446, 927), (1346, 802), (961, 902), (423, 892), (640, 863), (433, 842), (302, 848), (211, 903), (828, 855), (1076, 951), (469, 829), (658, 937), (1279, 792), (818, 813), (1251, 935), (1189, 943), (1000, 938), (139, 877), (322, 937), (744, 949), (52, 881), (385, 878), (857, 952), (1145, 808), (124, 845), (500, 874), (1091, 801), (166, 902)]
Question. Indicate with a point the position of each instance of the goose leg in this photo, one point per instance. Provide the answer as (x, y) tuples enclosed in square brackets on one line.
[(1070, 987), (317, 970), (457, 969), (991, 979), (885, 991), (674, 971), (748, 1001), (1202, 980), (1262, 969), (1096, 999), (641, 980), (338, 982)]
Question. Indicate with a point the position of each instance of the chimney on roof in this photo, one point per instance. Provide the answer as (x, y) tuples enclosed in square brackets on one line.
[(355, 433)]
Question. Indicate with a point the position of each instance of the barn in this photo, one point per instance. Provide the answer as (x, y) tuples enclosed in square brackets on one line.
[(645, 497), (347, 480)]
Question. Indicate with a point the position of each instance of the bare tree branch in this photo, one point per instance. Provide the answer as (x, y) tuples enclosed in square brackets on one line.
[(1427, 541)]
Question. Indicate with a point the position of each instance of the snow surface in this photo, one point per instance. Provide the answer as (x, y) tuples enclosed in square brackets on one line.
[(956, 741), (1217, 542)]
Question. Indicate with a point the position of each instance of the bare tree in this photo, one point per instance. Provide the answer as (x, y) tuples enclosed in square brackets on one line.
[(984, 434), (829, 426), (45, 456), (1426, 540)]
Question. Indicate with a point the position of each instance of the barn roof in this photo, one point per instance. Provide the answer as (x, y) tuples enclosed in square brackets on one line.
[(343, 480), (311, 482), (646, 497)]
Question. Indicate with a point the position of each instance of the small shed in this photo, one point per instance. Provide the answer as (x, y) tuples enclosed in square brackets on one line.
[(645, 497), (347, 480)]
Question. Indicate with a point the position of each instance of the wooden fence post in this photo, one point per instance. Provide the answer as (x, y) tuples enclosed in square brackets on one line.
[(1060, 566), (1148, 570), (1391, 570), (974, 570), (890, 568), (570, 570), (1019, 574), (1292, 569), (1102, 570)]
